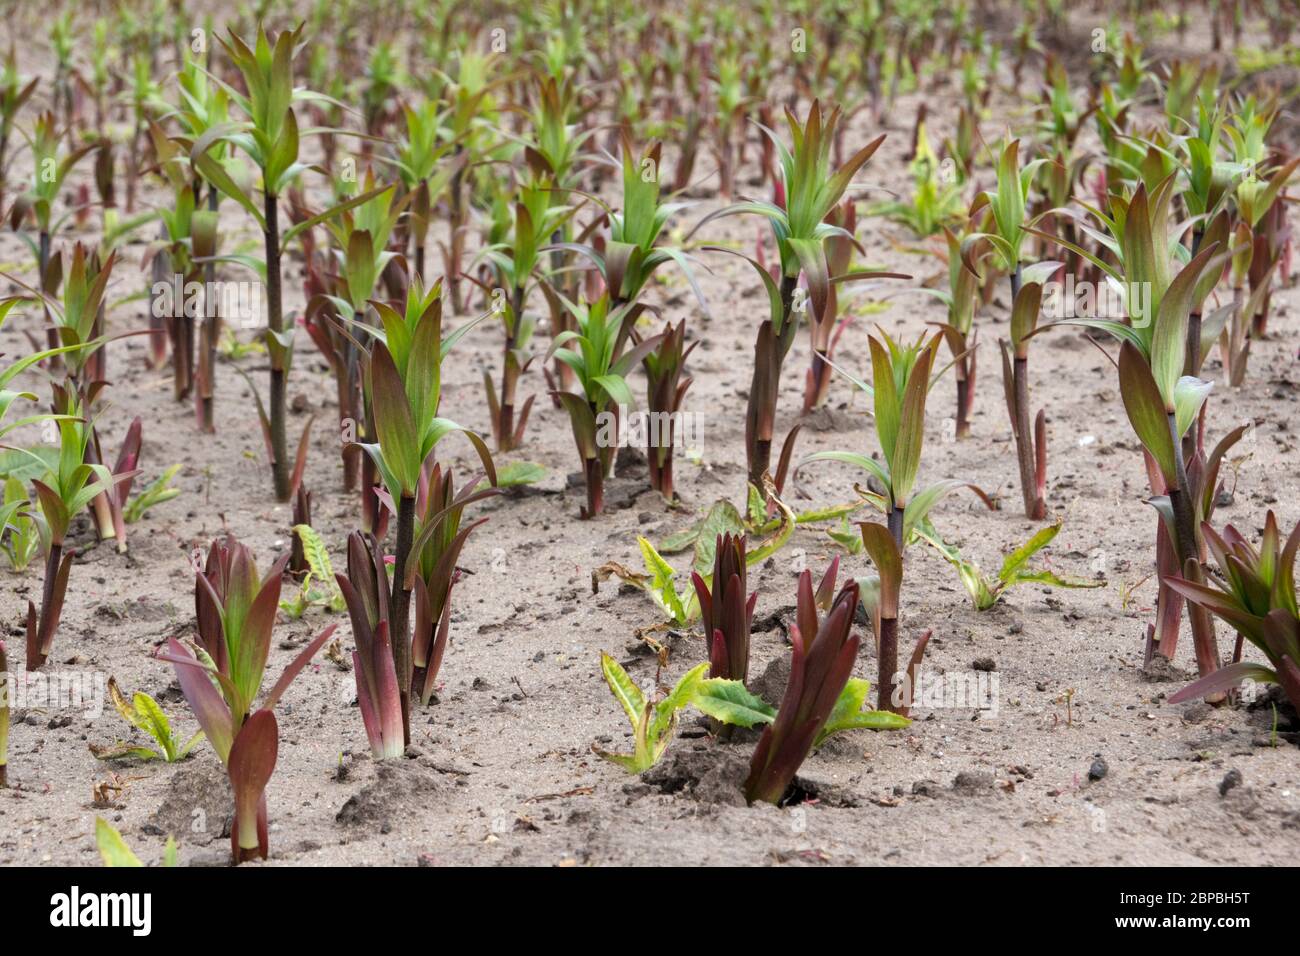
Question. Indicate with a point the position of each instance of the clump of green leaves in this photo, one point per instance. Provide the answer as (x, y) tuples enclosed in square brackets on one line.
[(143, 713), (986, 591), (155, 493), (652, 722), (596, 351), (659, 581), (936, 194), (1007, 202), (63, 492), (318, 586), (21, 527)]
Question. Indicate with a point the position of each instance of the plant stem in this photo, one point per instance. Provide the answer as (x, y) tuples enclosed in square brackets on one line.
[(510, 376), (349, 405), (279, 362), (105, 526), (661, 474), (764, 417), (48, 600), (1192, 363), (455, 207), (595, 474), (963, 403), (1035, 507), (209, 333), (401, 609), (1180, 501), (888, 650), (888, 664)]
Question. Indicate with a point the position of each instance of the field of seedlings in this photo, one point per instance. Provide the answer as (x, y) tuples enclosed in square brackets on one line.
[(576, 433)]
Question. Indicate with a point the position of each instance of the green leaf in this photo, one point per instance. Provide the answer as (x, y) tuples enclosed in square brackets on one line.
[(723, 518), (662, 587), (889, 565), (849, 715), (924, 501), (911, 428), (334, 211), (1169, 339), (628, 762), (516, 474), (622, 687), (729, 702), (869, 465), (155, 723), (155, 493), (1189, 395), (1018, 558), (318, 560), (394, 422), (112, 848), (982, 593), (28, 463), (1146, 410), (682, 694)]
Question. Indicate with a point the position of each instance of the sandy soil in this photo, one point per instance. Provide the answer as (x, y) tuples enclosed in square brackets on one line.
[(503, 770)]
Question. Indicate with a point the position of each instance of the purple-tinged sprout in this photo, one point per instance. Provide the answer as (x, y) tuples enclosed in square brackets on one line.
[(820, 667)]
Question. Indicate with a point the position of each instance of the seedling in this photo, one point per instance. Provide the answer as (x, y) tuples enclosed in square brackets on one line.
[(143, 713), (726, 611), (221, 677), (155, 493), (370, 601), (63, 492), (1254, 594), (682, 605), (433, 572), (1031, 447), (21, 528), (404, 382), (1161, 401), (822, 657), (901, 373), (986, 592), (596, 352), (515, 261), (1007, 203), (936, 201), (54, 164), (270, 138), (652, 723), (666, 386), (809, 190), (319, 572)]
